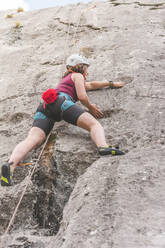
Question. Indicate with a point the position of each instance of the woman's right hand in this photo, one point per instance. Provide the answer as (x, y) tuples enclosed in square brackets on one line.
[(95, 111)]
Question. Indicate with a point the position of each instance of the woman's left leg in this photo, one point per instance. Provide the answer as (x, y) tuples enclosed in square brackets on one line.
[(77, 116), (89, 123)]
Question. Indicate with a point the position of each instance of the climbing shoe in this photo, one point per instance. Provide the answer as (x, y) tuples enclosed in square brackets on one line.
[(6, 175), (109, 151)]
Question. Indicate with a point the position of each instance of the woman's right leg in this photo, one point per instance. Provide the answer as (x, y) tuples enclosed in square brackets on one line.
[(42, 125), (34, 139), (40, 129)]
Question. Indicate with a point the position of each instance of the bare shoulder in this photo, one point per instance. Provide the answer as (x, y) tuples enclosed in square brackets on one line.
[(77, 76)]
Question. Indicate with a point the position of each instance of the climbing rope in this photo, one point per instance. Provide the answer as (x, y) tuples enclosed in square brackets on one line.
[(23, 193), (66, 46), (65, 49), (39, 157), (76, 29)]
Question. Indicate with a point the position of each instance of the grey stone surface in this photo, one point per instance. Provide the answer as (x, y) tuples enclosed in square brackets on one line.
[(108, 202), (117, 204)]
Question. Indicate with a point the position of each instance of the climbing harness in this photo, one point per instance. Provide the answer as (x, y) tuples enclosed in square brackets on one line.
[(39, 115), (55, 109), (50, 96), (68, 102)]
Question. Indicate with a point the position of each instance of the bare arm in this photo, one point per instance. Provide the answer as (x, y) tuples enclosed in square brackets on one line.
[(80, 90), (82, 95), (94, 85)]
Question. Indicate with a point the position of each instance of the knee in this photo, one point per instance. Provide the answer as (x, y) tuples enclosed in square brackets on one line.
[(35, 140), (96, 125), (38, 141)]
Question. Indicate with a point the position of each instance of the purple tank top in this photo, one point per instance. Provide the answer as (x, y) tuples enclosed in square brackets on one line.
[(67, 86)]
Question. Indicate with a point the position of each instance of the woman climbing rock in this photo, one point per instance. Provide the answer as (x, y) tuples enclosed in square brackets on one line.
[(60, 104)]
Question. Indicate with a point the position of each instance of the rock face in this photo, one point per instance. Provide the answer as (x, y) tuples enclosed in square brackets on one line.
[(75, 198)]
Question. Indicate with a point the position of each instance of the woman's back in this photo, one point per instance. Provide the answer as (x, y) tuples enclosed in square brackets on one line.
[(67, 86)]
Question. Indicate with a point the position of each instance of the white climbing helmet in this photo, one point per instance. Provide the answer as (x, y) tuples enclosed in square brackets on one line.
[(76, 59)]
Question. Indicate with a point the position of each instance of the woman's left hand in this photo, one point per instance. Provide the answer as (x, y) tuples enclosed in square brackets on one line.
[(95, 111), (118, 84)]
